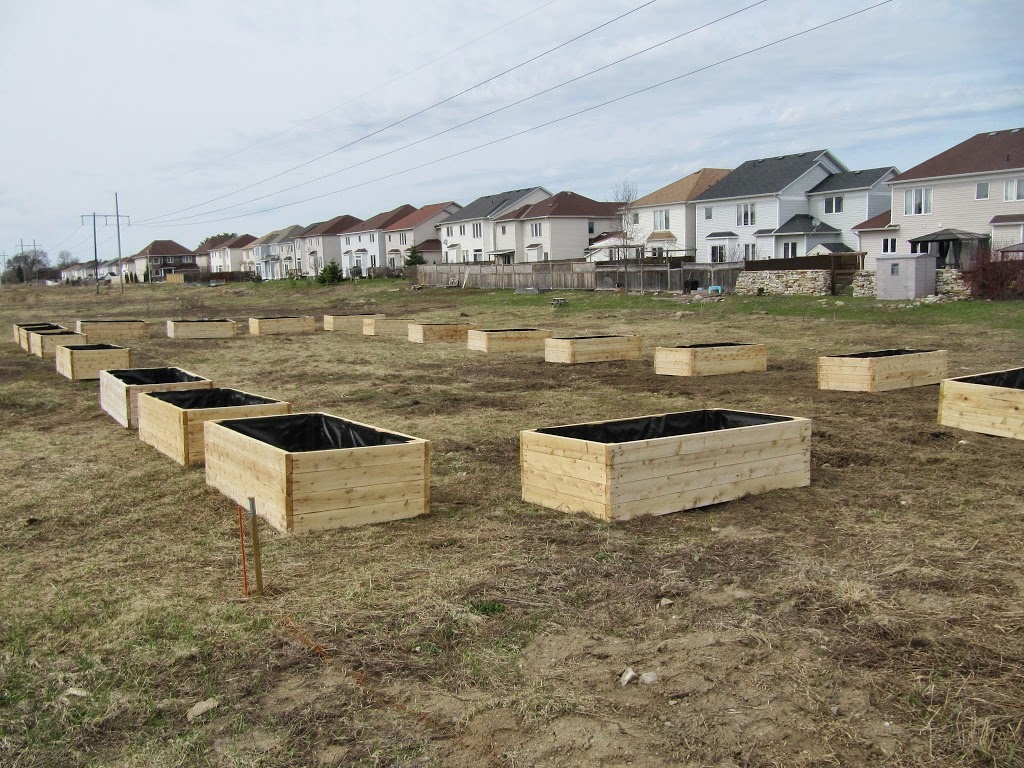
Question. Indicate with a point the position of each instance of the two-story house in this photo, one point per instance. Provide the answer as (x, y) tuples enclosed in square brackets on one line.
[(784, 207), (557, 228), (968, 197), (227, 256), (664, 222), (264, 254), (418, 230), (471, 235), (161, 258), (363, 245), (318, 245)]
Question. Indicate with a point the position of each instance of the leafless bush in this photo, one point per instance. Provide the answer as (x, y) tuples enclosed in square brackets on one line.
[(998, 276)]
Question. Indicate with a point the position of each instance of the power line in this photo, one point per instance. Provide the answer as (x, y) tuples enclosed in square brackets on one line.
[(405, 119), (467, 122), (563, 118), (368, 91)]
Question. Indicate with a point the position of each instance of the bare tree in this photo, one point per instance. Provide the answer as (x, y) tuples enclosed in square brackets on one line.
[(64, 259), (30, 261), (625, 195)]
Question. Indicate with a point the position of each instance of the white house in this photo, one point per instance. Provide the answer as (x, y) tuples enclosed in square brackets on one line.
[(664, 222), (557, 228), (470, 234), (78, 272), (318, 244), (228, 256), (161, 258), (787, 206), (265, 255), (363, 245), (419, 230)]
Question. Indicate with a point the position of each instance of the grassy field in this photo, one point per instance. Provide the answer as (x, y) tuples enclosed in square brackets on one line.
[(873, 618)]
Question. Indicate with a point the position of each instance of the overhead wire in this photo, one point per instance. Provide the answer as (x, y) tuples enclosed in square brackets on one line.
[(408, 117), (470, 121), (549, 123)]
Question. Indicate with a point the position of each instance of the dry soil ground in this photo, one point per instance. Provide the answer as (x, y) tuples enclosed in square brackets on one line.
[(873, 618)]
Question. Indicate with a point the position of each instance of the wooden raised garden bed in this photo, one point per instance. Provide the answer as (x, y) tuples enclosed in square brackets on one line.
[(653, 465), (85, 361), (267, 326), (386, 326), (45, 343), (593, 349), (425, 333), (113, 330), (21, 331), (991, 403), (310, 471), (172, 422), (201, 329), (710, 359), (120, 389), (882, 370), (507, 339), (349, 323)]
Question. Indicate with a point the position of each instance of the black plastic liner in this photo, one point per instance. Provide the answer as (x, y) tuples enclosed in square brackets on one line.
[(364, 314), (303, 432), (602, 336), (1013, 379), (714, 344), (279, 317), (208, 320), (666, 425), (40, 326), (55, 332), (506, 330), (218, 397), (885, 353), (93, 346), (153, 375), (127, 320)]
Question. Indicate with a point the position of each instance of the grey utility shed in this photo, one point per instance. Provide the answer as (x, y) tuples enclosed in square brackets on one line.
[(905, 275)]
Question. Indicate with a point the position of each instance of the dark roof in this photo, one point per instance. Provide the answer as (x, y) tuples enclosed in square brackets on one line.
[(565, 204), (163, 248), (763, 232), (238, 242), (306, 230), (417, 217), (1008, 218), (429, 246), (992, 151), (1015, 248), (486, 206), (331, 227), (803, 224), (948, 235), (213, 242), (685, 189), (839, 182), (763, 177), (881, 221), (837, 247), (717, 235), (381, 220), (517, 213)]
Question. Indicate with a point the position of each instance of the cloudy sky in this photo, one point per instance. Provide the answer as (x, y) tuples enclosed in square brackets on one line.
[(206, 115)]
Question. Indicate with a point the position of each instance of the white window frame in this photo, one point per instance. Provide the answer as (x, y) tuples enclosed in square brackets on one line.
[(917, 201), (537, 229), (977, 190), (749, 251), (708, 213), (888, 245), (718, 254), (478, 229), (1013, 189), (789, 249), (503, 229), (661, 220), (403, 238), (462, 229), (448, 231), (746, 214), (834, 204)]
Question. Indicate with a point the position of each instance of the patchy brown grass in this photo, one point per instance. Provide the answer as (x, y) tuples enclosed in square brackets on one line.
[(873, 618)]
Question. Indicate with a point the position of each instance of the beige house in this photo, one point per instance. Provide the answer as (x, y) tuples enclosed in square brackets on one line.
[(471, 234), (557, 228), (227, 256), (164, 257)]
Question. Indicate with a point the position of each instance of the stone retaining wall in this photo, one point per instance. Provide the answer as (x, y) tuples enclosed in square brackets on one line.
[(789, 282), (950, 283), (865, 283)]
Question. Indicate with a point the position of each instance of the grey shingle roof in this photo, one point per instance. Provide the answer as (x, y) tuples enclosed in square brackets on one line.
[(839, 182), (484, 207), (803, 224), (837, 247), (762, 177), (716, 235)]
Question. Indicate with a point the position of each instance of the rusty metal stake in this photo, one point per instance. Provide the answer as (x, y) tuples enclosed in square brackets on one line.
[(255, 534)]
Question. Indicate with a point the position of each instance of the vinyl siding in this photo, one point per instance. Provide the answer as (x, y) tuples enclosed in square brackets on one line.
[(724, 220), (681, 223)]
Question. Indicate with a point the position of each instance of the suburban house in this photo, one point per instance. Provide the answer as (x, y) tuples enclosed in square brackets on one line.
[(363, 245), (557, 228), (471, 235), (74, 273), (226, 256), (161, 258), (419, 230), (967, 197), (664, 223), (202, 251), (787, 206), (317, 244), (265, 256)]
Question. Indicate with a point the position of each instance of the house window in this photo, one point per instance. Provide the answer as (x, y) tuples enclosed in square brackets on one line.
[(372, 237), (981, 190), (834, 204), (635, 217), (389, 238), (894, 269), (545, 255), (707, 213), (658, 252), (465, 255), (448, 231), (503, 229), (749, 251), (188, 259), (373, 260), (536, 229), (478, 230), (391, 262), (348, 240), (888, 245), (745, 215), (462, 229), (590, 227), (1014, 189), (717, 254), (359, 261), (918, 201), (919, 247), (402, 238), (478, 254), (359, 238), (661, 220), (789, 250)]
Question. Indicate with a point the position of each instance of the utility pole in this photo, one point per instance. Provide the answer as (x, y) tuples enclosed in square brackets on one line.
[(95, 248), (3, 269), (120, 267)]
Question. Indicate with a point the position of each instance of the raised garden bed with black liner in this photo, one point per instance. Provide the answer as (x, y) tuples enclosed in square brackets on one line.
[(990, 403), (120, 389), (883, 369)]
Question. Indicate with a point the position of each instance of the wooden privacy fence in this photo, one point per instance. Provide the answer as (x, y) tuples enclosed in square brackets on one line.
[(631, 275)]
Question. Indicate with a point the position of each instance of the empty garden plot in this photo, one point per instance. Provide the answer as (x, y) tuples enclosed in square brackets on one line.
[(507, 339), (593, 349), (882, 370), (282, 325), (85, 361), (991, 403), (713, 359), (113, 330), (120, 389), (201, 329)]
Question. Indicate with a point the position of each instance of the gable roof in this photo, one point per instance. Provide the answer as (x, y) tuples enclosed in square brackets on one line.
[(162, 248), (331, 227), (486, 206), (236, 242), (565, 204), (881, 221), (992, 151), (766, 176), (417, 217), (840, 182), (381, 220), (685, 189), (213, 242), (803, 224)]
